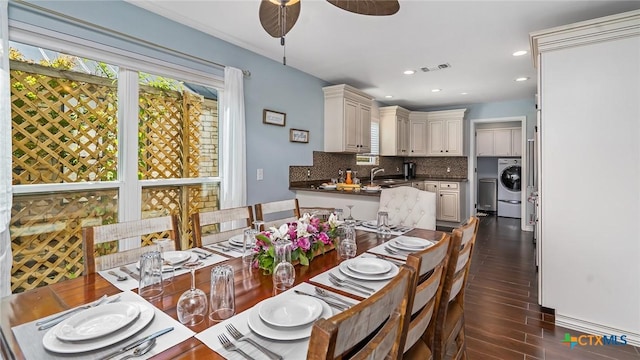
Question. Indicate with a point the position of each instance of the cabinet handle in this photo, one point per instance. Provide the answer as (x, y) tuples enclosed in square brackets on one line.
[(411, 150), (440, 150), (440, 195), (446, 151)]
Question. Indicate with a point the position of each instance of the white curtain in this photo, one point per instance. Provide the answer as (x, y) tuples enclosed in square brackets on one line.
[(5, 154), (233, 192)]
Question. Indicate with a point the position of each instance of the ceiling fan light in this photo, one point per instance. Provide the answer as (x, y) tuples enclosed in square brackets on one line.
[(284, 2)]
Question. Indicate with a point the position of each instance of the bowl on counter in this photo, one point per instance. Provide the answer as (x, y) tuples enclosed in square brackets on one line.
[(371, 188), (328, 186)]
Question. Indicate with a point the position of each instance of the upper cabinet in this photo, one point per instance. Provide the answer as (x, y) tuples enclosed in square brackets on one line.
[(394, 131), (418, 135), (444, 132), (347, 119), (499, 142)]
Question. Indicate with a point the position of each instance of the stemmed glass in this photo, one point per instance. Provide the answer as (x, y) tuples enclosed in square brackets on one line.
[(349, 217), (284, 274), (257, 225), (192, 305)]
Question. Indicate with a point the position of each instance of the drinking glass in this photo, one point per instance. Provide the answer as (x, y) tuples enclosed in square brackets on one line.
[(383, 222), (192, 305), (257, 225), (339, 214), (284, 274), (222, 297), (248, 243), (347, 246), (349, 217), (150, 285), (163, 245)]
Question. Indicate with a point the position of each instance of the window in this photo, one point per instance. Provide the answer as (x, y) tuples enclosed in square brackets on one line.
[(80, 158), (372, 158)]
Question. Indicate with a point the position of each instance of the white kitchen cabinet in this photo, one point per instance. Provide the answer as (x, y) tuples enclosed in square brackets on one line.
[(447, 199), (418, 135), (347, 119), (394, 131), (444, 132), (499, 142)]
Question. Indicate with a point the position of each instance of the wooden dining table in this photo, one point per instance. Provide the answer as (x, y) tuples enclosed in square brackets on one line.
[(251, 287)]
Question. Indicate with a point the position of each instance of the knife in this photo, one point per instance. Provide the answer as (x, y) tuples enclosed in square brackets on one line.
[(136, 343), (330, 303), (125, 270)]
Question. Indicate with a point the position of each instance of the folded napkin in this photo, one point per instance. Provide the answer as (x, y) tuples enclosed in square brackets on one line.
[(293, 349), (30, 338), (132, 283), (324, 280)]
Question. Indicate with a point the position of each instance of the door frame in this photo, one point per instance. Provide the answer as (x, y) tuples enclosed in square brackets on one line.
[(473, 161)]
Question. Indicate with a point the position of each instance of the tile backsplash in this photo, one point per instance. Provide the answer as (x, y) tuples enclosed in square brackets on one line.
[(326, 165)]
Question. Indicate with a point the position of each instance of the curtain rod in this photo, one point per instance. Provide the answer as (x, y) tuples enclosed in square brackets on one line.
[(110, 32)]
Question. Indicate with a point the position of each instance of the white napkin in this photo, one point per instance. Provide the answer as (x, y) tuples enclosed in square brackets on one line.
[(295, 349), (324, 280), (132, 283)]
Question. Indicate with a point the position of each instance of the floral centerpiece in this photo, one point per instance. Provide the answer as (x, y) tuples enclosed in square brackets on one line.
[(309, 237)]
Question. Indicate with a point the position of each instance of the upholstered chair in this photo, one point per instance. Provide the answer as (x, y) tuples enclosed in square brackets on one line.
[(408, 206)]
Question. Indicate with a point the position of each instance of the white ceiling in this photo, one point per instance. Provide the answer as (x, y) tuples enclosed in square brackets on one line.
[(477, 38)]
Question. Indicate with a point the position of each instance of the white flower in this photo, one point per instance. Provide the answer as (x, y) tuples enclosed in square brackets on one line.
[(306, 218), (333, 220), (282, 233)]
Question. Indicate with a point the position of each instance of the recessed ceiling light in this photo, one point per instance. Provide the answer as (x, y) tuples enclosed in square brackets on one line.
[(436, 90), (464, 93), (409, 72), (388, 96), (520, 53), (522, 79)]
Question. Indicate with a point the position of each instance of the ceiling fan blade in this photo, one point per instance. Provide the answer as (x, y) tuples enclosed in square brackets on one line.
[(368, 7), (271, 20)]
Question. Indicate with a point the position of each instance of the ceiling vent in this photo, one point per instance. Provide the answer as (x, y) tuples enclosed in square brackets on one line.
[(436, 67)]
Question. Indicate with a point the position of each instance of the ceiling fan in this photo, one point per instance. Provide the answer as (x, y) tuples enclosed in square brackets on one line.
[(278, 16)]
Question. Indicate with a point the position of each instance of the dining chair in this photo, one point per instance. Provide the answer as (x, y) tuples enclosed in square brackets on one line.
[(277, 213), (160, 227), (319, 212), (373, 329), (429, 265), (449, 332), (410, 207), (229, 222)]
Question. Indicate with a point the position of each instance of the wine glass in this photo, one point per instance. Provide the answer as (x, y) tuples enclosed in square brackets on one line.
[(257, 225), (284, 274), (192, 305), (349, 217)]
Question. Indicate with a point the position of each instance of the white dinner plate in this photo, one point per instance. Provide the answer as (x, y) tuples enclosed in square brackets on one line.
[(290, 310), (176, 257), (396, 245), (283, 333), (373, 224), (413, 242), (98, 321), (344, 268), (166, 268), (52, 343), (237, 240), (369, 266)]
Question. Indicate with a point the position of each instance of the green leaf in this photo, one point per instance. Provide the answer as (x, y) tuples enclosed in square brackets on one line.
[(304, 261)]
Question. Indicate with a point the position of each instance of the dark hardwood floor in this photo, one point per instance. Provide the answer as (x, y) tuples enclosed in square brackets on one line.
[(503, 318)]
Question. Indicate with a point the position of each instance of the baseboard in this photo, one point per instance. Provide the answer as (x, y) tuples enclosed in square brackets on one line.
[(595, 329)]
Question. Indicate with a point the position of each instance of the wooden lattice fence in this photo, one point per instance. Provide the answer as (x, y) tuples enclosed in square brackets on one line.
[(65, 130)]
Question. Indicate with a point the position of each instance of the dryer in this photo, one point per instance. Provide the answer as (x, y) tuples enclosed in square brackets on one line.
[(509, 187)]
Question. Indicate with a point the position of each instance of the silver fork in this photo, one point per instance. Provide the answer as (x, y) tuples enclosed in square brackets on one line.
[(224, 340), (334, 282), (239, 337), (325, 293), (347, 281), (141, 349)]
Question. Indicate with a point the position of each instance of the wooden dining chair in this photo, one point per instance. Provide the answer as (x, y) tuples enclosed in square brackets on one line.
[(159, 227), (322, 213), (449, 330), (430, 266), (373, 329), (206, 232), (277, 213)]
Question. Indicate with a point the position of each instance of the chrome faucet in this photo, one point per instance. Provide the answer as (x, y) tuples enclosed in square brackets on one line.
[(374, 171)]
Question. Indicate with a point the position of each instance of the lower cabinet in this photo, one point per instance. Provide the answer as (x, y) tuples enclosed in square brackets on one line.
[(447, 199)]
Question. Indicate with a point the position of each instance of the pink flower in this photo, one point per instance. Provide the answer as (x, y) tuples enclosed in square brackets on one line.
[(304, 244), (311, 229), (324, 238), (315, 222)]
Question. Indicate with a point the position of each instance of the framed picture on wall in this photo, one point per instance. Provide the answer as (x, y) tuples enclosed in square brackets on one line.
[(300, 136), (273, 117)]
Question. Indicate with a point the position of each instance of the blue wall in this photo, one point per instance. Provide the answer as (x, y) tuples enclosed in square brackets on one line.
[(271, 85)]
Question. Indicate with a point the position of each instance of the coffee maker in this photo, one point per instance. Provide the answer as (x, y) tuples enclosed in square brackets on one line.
[(409, 170)]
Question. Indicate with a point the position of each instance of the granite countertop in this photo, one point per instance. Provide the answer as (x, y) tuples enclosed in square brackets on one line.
[(314, 185)]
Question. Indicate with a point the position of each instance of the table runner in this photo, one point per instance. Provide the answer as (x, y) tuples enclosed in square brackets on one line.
[(30, 339), (295, 349), (132, 283)]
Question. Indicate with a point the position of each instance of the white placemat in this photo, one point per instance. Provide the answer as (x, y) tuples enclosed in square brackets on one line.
[(375, 230), (132, 283), (30, 339), (388, 251), (295, 349), (230, 251), (324, 280)]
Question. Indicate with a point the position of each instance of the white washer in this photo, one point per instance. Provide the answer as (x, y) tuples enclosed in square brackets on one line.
[(509, 187)]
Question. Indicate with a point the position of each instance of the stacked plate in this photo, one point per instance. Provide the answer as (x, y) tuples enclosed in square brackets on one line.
[(175, 258), (287, 316), (98, 327), (237, 241), (371, 269), (409, 244)]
